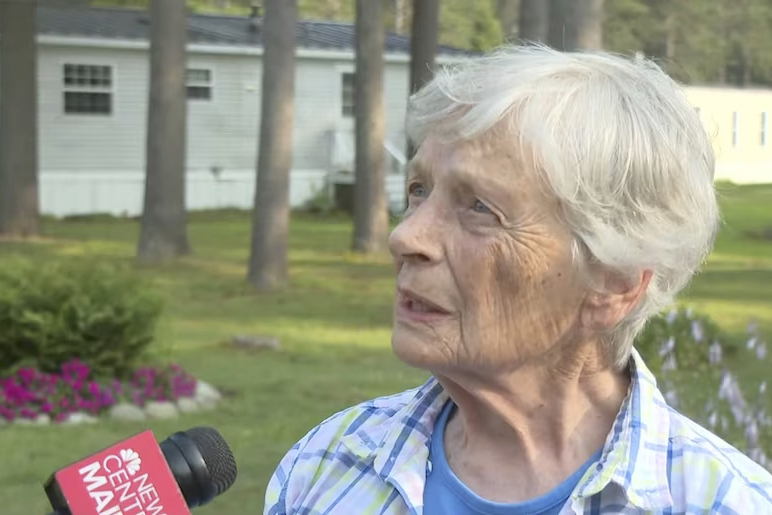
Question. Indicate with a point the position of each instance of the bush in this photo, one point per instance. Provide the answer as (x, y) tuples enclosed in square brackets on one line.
[(103, 316), (683, 336), (687, 352)]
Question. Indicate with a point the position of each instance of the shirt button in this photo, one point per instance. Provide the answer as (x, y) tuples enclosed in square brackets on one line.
[(429, 467)]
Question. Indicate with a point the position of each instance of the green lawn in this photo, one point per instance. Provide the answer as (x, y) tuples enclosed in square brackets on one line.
[(333, 322)]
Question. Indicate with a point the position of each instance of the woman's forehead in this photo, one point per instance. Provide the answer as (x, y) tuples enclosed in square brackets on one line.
[(470, 161)]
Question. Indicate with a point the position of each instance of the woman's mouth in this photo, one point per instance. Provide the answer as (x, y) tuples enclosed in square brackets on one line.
[(412, 307)]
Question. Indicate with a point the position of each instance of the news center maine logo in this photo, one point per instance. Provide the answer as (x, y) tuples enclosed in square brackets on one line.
[(117, 486), (131, 461)]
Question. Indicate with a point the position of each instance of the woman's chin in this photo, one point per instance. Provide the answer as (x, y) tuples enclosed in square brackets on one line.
[(416, 352)]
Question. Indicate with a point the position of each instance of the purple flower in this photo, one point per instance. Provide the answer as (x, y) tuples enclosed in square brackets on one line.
[(714, 353), (667, 347), (669, 364)]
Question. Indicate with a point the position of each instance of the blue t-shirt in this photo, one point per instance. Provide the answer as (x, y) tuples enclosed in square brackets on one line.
[(445, 494)]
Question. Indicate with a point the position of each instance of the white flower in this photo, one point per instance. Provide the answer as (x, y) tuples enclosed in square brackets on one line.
[(714, 353), (761, 351), (752, 433), (669, 363), (667, 347), (697, 332), (751, 342)]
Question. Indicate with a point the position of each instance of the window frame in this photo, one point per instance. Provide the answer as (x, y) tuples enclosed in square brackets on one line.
[(735, 128), (82, 88), (345, 107), (210, 84)]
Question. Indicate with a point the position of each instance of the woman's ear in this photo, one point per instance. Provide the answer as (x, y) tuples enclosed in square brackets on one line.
[(603, 310)]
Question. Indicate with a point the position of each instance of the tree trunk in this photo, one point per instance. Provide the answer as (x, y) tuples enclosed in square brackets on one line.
[(508, 14), (163, 229), (371, 216), (671, 28), (576, 24), (19, 207), (534, 20), (558, 21), (270, 217), (589, 25), (423, 47)]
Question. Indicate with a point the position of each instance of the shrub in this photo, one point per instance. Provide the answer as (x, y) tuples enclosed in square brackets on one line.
[(681, 335), (103, 316), (687, 352)]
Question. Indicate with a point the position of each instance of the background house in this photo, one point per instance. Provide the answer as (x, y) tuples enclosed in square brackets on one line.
[(738, 120), (93, 74)]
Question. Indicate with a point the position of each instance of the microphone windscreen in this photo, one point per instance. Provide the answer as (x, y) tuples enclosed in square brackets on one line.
[(217, 456)]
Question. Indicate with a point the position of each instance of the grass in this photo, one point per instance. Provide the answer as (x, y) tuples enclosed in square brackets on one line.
[(334, 324)]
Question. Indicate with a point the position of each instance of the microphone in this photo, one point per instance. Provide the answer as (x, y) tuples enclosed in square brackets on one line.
[(139, 475)]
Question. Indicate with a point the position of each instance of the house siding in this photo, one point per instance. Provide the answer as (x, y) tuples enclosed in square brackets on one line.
[(95, 163), (740, 157)]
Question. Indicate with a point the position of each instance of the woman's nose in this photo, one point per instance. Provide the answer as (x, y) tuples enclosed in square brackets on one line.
[(417, 237)]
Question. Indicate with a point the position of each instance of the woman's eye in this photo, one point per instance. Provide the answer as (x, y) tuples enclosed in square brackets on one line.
[(417, 190), (480, 207)]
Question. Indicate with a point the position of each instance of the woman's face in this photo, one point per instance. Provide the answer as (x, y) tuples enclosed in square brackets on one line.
[(485, 277)]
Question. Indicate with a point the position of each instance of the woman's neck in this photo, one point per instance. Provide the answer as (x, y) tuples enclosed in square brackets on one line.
[(539, 424)]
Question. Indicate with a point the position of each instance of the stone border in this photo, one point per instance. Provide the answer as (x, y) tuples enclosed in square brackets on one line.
[(205, 398)]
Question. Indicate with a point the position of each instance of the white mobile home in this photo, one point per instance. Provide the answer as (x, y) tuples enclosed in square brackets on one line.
[(93, 76)]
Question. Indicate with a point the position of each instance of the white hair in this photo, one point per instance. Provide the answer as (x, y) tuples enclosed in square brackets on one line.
[(617, 143)]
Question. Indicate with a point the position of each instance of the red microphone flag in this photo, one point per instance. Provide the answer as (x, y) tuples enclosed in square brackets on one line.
[(128, 478)]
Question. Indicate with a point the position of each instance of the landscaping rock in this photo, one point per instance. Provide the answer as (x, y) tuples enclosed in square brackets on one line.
[(127, 412), (80, 418), (42, 420), (162, 410), (187, 405), (255, 342), (206, 393)]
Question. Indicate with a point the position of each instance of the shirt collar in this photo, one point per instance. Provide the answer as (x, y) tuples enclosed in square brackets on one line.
[(634, 456)]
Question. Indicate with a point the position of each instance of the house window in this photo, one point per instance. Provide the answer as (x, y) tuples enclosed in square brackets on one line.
[(88, 89), (199, 83), (763, 129), (735, 127), (347, 94)]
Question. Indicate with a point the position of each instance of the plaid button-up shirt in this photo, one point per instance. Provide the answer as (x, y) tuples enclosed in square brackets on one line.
[(373, 459)]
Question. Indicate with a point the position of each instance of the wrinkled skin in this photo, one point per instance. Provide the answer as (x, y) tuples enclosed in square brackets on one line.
[(481, 238), (515, 333)]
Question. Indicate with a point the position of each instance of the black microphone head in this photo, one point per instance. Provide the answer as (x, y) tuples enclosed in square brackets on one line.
[(217, 456), (201, 462)]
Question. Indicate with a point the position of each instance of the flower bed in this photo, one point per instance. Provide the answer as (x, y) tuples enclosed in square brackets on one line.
[(33, 395)]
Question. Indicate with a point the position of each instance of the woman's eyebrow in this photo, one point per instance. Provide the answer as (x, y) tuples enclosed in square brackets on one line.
[(417, 170)]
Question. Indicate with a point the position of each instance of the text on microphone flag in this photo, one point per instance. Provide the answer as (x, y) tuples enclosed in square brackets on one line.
[(132, 477)]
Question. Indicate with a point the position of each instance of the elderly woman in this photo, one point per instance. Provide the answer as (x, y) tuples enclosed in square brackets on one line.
[(556, 202)]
